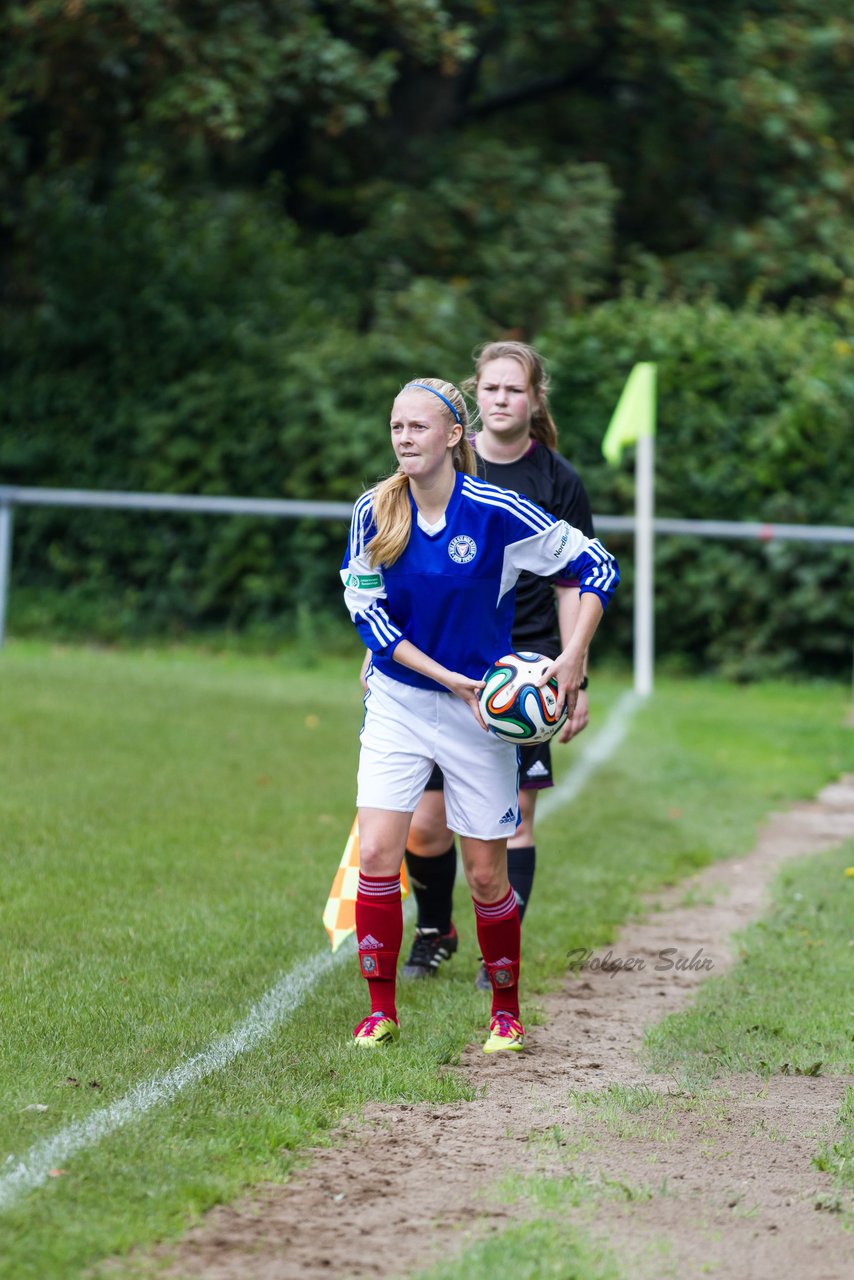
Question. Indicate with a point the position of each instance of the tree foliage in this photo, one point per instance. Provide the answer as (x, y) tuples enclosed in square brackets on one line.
[(725, 127), (754, 424), (229, 230)]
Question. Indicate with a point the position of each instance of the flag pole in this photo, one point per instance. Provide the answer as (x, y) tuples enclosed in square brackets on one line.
[(633, 422), (644, 617)]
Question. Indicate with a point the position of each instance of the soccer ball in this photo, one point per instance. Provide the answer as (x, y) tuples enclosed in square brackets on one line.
[(512, 706)]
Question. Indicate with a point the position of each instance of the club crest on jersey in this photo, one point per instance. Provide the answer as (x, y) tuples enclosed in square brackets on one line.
[(462, 549)]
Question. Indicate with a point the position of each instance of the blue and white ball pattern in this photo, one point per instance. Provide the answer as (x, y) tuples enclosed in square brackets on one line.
[(513, 707)]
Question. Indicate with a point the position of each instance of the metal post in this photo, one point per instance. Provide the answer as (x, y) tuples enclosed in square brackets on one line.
[(644, 533), (5, 561)]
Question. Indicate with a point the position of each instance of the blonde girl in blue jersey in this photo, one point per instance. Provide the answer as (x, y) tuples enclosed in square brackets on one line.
[(429, 573)]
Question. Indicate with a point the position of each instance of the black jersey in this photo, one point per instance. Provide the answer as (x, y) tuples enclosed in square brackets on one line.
[(553, 483)]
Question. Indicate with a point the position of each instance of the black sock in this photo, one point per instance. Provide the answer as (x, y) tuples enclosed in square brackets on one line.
[(521, 864), (432, 881)]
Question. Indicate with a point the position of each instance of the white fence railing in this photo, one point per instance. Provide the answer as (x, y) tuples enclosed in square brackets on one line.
[(12, 496)]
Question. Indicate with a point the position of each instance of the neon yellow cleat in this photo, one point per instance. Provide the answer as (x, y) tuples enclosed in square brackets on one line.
[(378, 1028), (505, 1032)]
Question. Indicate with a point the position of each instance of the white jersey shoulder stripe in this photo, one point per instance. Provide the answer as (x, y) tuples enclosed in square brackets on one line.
[(597, 552), (364, 505), (490, 495), (532, 519), (362, 515), (380, 623), (474, 484), (604, 579)]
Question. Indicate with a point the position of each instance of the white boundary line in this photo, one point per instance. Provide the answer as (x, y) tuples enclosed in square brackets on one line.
[(31, 1170), (596, 751)]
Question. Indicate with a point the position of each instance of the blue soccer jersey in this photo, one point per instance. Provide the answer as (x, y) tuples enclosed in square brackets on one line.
[(452, 591)]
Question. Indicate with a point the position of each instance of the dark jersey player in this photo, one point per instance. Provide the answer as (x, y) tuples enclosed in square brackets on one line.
[(516, 449)]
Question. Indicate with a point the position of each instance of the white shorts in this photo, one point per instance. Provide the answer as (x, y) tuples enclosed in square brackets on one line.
[(407, 730)]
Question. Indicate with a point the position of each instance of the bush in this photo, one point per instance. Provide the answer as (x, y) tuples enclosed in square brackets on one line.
[(216, 355), (754, 423), (221, 352)]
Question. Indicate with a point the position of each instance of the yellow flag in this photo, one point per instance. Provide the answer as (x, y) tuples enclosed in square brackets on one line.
[(339, 914), (634, 415)]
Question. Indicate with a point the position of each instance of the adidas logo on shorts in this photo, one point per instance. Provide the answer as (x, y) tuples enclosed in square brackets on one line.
[(537, 770), (510, 816)]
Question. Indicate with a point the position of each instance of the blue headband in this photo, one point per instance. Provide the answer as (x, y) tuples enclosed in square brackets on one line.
[(433, 392)]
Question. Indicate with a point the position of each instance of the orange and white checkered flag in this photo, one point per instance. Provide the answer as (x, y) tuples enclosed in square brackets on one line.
[(339, 914)]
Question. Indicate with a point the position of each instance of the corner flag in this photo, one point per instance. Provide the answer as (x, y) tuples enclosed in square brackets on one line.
[(634, 415), (339, 914)]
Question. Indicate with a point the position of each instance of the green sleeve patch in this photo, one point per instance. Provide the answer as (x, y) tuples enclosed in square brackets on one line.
[(365, 581)]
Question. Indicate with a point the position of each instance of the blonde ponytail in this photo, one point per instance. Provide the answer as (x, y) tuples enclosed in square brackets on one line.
[(393, 518)]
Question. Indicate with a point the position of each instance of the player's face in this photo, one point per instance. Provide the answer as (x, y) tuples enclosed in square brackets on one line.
[(421, 436), (504, 399)]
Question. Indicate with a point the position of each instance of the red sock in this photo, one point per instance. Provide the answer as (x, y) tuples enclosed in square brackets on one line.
[(379, 928), (499, 935)]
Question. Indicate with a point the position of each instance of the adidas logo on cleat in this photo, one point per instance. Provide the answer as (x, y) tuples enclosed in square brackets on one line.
[(505, 1032), (375, 1030), (510, 816)]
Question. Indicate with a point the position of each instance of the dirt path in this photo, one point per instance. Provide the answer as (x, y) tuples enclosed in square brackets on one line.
[(725, 1187)]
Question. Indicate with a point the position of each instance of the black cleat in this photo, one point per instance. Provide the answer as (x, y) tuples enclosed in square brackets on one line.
[(429, 949)]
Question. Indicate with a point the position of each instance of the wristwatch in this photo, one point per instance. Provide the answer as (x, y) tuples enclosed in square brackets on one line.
[(584, 683)]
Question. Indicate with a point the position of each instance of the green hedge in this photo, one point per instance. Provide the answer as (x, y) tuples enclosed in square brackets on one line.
[(220, 352), (754, 423), (215, 354)]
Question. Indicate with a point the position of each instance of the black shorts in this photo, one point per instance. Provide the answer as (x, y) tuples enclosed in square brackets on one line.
[(535, 769)]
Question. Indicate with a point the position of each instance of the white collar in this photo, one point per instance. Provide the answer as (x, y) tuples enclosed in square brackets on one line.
[(431, 528)]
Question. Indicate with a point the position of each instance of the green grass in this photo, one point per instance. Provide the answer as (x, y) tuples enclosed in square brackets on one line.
[(704, 763), (745, 1021), (542, 1249), (836, 1157), (544, 1243), (629, 1111), (786, 1007), (170, 825)]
